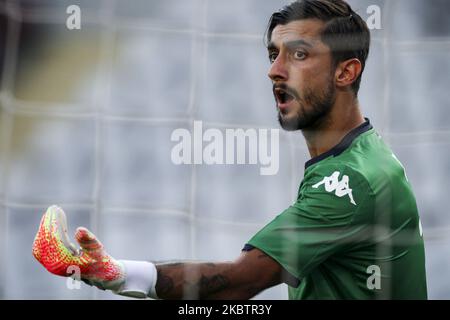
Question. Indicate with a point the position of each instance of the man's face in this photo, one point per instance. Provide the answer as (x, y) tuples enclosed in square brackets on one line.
[(301, 73)]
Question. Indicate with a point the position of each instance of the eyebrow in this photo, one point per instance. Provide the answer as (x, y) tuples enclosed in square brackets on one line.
[(290, 44)]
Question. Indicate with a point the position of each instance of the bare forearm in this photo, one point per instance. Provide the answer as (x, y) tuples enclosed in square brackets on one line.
[(190, 280)]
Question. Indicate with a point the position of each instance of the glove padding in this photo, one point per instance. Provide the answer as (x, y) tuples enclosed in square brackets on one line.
[(53, 249)]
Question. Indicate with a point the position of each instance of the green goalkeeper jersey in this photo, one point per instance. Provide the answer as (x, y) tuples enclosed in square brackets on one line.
[(354, 231)]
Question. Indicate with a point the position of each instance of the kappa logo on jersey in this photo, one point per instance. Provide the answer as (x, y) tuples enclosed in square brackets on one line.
[(340, 188)]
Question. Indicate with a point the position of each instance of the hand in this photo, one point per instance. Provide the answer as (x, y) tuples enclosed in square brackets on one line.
[(53, 249)]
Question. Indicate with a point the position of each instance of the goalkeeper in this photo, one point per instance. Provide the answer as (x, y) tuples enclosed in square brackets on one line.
[(354, 231)]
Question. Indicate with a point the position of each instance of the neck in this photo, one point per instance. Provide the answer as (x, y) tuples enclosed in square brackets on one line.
[(344, 116)]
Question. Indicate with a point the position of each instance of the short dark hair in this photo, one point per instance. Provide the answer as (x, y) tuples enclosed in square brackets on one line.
[(345, 32)]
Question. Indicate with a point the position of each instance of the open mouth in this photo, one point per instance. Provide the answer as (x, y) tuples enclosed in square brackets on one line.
[(282, 96)]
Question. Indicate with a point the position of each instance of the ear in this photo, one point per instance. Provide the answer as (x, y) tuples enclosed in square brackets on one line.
[(347, 72)]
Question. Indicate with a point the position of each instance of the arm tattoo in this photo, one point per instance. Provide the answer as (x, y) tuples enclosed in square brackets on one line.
[(175, 281), (242, 279), (209, 285), (164, 285)]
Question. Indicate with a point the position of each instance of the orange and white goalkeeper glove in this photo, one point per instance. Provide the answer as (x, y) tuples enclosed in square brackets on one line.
[(53, 249)]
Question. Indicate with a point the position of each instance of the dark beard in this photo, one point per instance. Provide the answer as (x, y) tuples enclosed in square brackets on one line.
[(320, 105)]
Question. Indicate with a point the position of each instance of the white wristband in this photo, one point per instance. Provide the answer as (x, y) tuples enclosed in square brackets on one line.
[(140, 279)]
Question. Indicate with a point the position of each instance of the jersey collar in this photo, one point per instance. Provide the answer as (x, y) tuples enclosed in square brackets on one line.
[(343, 145)]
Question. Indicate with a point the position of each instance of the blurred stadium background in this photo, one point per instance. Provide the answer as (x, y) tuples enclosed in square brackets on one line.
[(86, 117)]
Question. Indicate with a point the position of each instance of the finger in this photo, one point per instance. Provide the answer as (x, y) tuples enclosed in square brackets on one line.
[(51, 247), (43, 235), (61, 229), (38, 238), (87, 240)]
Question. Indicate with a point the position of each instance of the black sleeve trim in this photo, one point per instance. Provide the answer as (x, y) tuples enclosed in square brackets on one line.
[(286, 276), (248, 247)]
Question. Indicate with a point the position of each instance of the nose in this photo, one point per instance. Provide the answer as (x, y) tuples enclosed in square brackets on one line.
[(278, 70)]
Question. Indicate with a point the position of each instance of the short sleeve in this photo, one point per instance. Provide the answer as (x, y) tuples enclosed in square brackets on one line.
[(332, 210)]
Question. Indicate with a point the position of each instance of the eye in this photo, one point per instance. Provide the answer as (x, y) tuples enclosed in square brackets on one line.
[(273, 56), (301, 55)]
